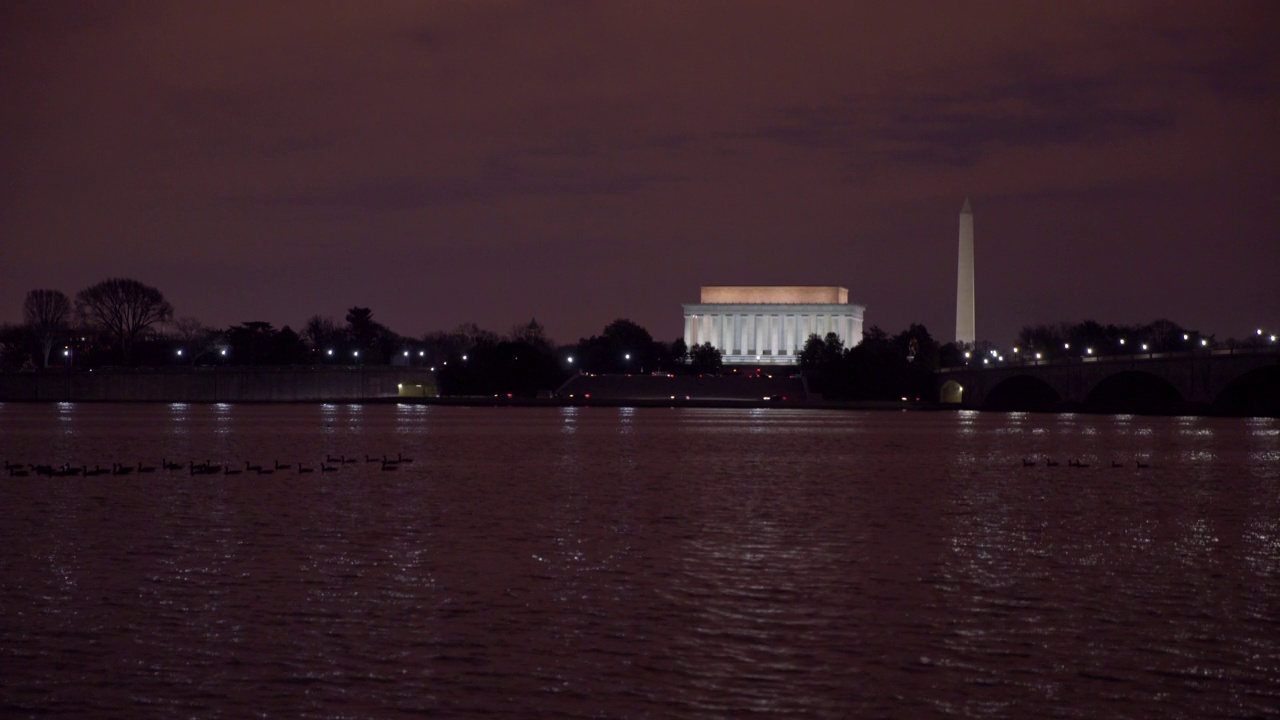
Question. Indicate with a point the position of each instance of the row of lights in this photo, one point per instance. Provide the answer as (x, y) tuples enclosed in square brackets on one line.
[(1204, 342)]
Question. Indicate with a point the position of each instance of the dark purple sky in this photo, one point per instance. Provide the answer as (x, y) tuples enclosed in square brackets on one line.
[(583, 161)]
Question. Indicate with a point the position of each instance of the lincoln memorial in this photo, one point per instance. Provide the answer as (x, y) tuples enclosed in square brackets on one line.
[(768, 325)]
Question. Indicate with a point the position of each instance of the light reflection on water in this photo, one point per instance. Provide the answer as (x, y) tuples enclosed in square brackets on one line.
[(579, 562)]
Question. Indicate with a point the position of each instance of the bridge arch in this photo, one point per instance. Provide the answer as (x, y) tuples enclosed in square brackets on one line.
[(951, 393), (1022, 392), (1252, 393), (1134, 391)]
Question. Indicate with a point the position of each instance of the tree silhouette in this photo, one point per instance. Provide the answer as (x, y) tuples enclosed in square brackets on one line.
[(195, 340), (679, 351), (251, 342), (46, 313), (124, 308), (705, 359), (623, 347), (362, 327), (324, 336)]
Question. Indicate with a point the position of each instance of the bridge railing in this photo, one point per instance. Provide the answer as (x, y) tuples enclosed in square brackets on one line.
[(1128, 357)]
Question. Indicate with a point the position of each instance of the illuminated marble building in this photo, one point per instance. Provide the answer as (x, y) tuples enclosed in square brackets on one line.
[(769, 325)]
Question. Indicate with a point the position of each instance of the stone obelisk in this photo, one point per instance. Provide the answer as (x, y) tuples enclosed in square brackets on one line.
[(964, 279)]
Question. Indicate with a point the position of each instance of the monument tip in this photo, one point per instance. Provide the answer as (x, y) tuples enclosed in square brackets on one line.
[(966, 210)]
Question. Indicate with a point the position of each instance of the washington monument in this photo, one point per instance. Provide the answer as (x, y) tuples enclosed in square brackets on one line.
[(964, 279)]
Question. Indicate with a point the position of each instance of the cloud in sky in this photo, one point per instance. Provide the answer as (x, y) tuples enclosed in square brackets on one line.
[(581, 161)]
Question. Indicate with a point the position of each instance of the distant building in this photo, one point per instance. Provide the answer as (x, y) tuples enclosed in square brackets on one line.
[(531, 333), (769, 325)]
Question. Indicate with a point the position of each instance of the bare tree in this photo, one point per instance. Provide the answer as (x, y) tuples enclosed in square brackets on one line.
[(469, 334), (124, 308), (46, 313), (323, 334), (196, 339)]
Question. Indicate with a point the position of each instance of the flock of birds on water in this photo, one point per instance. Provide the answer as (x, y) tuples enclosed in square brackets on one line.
[(1048, 462), (331, 463)]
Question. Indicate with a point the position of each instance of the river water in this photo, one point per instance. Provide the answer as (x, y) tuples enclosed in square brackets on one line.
[(638, 563)]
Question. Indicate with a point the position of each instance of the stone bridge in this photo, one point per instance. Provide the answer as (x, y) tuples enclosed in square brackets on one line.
[(1242, 381)]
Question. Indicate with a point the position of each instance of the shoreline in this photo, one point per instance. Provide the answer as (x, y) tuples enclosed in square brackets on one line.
[(709, 403)]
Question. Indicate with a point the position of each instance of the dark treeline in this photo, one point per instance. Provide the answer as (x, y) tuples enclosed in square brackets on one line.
[(1073, 340), (123, 322), (881, 367)]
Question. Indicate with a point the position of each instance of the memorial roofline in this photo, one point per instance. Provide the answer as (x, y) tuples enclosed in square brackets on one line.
[(774, 295)]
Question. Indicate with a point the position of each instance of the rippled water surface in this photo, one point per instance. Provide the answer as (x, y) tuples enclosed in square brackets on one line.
[(604, 562)]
